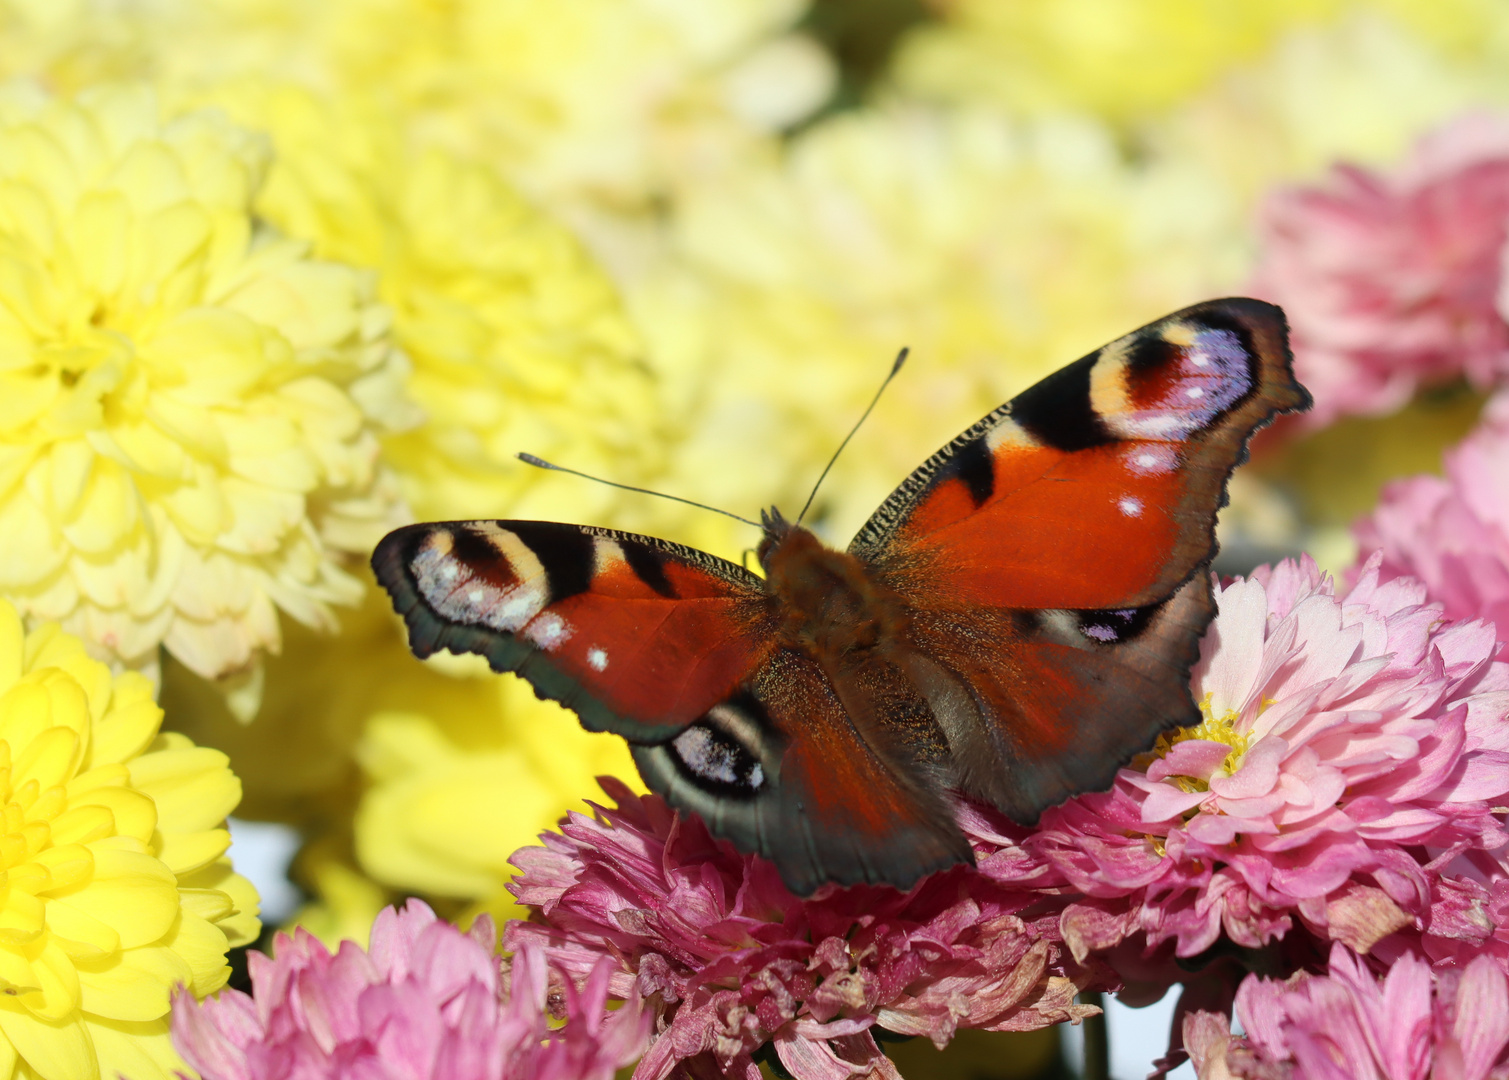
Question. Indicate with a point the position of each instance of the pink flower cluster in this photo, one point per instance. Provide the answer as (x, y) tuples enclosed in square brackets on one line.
[(739, 962), (1391, 281), (1412, 1024), (1452, 532), (1353, 751), (426, 1001)]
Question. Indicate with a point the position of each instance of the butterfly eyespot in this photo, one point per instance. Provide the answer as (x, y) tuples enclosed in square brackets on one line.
[(714, 759), (1112, 627), (722, 752)]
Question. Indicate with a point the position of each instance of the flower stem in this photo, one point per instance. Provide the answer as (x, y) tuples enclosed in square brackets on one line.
[(1097, 1045)]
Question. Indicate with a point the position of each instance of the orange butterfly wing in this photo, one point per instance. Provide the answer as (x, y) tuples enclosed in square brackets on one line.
[(1098, 487), (1055, 555), (637, 635)]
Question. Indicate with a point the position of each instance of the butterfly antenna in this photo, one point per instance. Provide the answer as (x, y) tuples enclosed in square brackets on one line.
[(541, 463), (896, 367)]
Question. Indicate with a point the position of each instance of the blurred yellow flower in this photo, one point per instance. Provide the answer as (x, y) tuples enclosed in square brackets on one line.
[(189, 403), (1128, 62), (518, 341), (447, 807), (114, 854), (594, 106)]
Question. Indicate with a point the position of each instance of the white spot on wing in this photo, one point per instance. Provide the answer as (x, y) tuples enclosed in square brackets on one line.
[(1194, 393), (1152, 460), (549, 631), (1130, 507), (597, 658)]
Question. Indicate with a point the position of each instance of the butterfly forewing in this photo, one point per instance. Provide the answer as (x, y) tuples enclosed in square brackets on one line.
[(1098, 487), (638, 636)]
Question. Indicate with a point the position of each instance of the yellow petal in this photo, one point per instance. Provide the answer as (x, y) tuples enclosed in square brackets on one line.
[(55, 1050), (193, 786), (133, 893), (134, 812), (186, 852), (129, 727), (140, 1050), (242, 926), (58, 995), (81, 824), (133, 985), (202, 945), (50, 758), (67, 865), (81, 936), (11, 639)]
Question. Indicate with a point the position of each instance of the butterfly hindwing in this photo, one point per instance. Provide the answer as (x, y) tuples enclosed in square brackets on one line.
[(788, 769), (638, 636)]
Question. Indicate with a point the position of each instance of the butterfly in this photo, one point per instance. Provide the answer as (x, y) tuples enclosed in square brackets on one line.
[(1014, 623)]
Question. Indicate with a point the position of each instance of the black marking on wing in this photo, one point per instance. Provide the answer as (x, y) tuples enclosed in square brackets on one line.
[(648, 569), (565, 551), (901, 501), (1149, 354), (975, 465), (1057, 411), (469, 548)]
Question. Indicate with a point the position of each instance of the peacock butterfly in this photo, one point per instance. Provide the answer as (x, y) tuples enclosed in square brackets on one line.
[(1015, 622)]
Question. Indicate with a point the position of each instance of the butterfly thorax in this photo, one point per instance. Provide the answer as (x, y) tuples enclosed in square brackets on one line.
[(827, 602)]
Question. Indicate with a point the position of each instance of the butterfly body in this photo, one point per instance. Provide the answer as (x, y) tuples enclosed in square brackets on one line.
[(1014, 623)]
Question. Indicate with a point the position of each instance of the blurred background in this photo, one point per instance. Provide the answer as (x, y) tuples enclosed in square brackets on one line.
[(677, 243)]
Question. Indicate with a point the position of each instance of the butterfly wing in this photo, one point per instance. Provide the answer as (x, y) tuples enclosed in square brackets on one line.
[(636, 635), (1054, 553), (676, 650)]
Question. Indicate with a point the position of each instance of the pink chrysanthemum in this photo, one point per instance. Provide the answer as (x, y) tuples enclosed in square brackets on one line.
[(739, 962), (426, 1001), (1345, 774), (1412, 1024), (1452, 532), (1390, 281)]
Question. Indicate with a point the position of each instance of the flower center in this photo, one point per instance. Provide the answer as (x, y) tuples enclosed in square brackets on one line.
[(1212, 728)]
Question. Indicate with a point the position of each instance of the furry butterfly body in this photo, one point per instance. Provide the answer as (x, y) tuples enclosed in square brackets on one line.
[(1015, 622)]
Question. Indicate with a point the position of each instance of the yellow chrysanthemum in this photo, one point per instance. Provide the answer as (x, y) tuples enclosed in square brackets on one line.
[(447, 808), (517, 339), (594, 105), (117, 888), (189, 403)]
